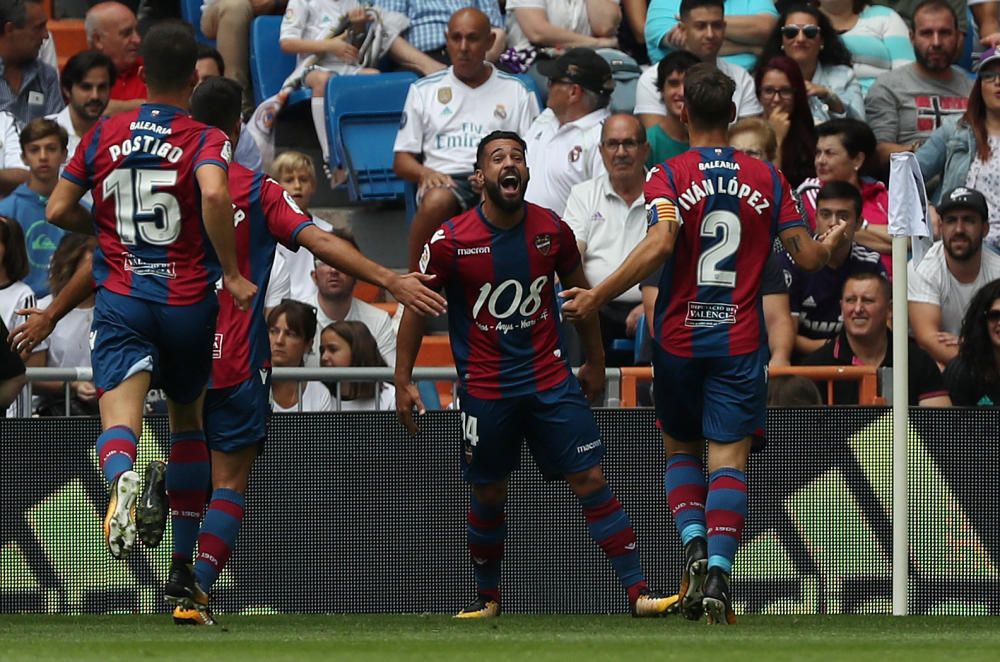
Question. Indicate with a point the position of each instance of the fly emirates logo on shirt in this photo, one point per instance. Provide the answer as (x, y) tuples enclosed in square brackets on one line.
[(468, 135), (721, 185)]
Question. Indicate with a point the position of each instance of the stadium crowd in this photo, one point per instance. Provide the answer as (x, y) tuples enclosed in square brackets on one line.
[(588, 96)]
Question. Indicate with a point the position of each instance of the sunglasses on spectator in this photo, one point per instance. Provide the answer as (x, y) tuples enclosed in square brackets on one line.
[(992, 316), (792, 30)]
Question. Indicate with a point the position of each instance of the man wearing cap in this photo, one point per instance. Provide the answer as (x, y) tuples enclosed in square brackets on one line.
[(563, 142), (445, 116), (940, 287)]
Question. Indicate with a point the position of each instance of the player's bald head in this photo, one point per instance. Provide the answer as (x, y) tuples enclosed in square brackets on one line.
[(469, 18)]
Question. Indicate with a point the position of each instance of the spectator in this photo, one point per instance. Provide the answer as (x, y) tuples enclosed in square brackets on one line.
[(973, 377), (747, 26), (305, 31), (701, 31), (940, 288), (228, 22), (43, 148), (815, 297), (86, 86), (430, 20), (632, 29), (786, 108), (846, 149), (908, 8), (542, 29), (351, 345), (805, 35), (444, 117), (297, 175), (866, 340), (792, 391), (210, 63), (291, 327), (29, 88), (12, 378), (668, 137), (608, 216), (755, 137), (967, 152), (12, 168), (112, 29), (69, 345), (563, 142), (907, 104), (14, 293), (877, 37), (335, 302), (987, 16)]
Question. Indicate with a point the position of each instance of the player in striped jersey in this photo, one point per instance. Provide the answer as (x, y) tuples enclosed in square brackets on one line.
[(497, 265), (713, 214)]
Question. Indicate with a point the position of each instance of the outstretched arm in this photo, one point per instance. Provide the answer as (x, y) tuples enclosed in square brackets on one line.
[(408, 339)]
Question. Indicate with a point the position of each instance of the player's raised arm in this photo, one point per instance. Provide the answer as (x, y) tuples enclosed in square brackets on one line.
[(217, 212), (654, 249), (808, 253), (408, 290), (408, 339)]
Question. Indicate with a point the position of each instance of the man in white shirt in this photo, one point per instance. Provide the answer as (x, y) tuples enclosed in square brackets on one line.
[(335, 302), (563, 141), (86, 85), (953, 270), (13, 172), (704, 32), (608, 216), (445, 116)]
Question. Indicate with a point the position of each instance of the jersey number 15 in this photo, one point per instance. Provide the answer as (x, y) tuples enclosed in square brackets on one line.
[(141, 209)]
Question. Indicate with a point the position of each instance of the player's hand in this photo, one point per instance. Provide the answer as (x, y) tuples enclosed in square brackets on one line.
[(578, 304), (242, 290), (408, 397), (410, 291), (591, 376), (25, 337), (342, 50), (433, 179)]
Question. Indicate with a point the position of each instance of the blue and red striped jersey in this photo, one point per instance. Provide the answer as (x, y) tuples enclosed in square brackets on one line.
[(141, 167), (264, 215), (502, 312), (730, 207)]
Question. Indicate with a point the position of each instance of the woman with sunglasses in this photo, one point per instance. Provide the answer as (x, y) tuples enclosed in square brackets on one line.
[(967, 152), (782, 93), (973, 377), (876, 36), (805, 35)]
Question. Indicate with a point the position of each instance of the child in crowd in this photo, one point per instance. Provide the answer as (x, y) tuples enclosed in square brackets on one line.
[(350, 344), (15, 294)]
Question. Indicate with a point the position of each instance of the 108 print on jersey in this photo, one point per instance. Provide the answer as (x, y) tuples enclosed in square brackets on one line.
[(505, 299)]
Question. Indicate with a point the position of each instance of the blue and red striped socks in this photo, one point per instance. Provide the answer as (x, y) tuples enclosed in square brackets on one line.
[(487, 529), (189, 480), (610, 527), (725, 511), (116, 448), (684, 483), (218, 535)]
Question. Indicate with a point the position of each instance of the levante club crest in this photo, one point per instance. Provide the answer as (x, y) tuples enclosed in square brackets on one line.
[(543, 242)]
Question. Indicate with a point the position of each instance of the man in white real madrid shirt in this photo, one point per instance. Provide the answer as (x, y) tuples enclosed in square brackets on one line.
[(563, 141), (445, 116), (13, 172)]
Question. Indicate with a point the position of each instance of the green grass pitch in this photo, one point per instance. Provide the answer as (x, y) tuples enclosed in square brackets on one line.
[(511, 637)]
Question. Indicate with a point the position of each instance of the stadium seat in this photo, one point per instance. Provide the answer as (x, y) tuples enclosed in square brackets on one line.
[(363, 115), (269, 65), (533, 86), (191, 13)]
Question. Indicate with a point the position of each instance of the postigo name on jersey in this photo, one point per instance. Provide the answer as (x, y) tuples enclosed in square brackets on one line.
[(146, 145), (698, 191)]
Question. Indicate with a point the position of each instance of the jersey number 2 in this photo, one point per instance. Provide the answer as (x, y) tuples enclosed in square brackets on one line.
[(135, 194), (724, 226)]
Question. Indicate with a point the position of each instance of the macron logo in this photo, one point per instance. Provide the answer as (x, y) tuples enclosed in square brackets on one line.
[(263, 375)]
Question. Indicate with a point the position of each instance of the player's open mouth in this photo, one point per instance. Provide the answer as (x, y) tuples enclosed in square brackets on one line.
[(510, 183)]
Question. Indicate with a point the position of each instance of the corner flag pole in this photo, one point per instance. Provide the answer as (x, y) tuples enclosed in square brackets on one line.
[(907, 219)]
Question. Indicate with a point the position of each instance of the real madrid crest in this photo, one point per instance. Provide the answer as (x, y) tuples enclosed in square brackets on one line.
[(574, 154), (543, 242), (444, 95), (500, 112)]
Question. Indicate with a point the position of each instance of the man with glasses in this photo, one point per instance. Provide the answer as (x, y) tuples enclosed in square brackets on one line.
[(815, 297), (563, 140), (907, 104), (702, 31), (940, 288), (608, 217)]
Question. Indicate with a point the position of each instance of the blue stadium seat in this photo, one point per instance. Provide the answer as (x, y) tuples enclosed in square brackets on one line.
[(269, 65), (965, 60), (191, 13), (429, 394), (363, 115), (533, 86)]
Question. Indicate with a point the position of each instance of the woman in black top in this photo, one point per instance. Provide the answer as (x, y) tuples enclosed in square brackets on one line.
[(973, 377)]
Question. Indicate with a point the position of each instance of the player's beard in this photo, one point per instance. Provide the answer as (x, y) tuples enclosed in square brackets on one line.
[(497, 198)]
